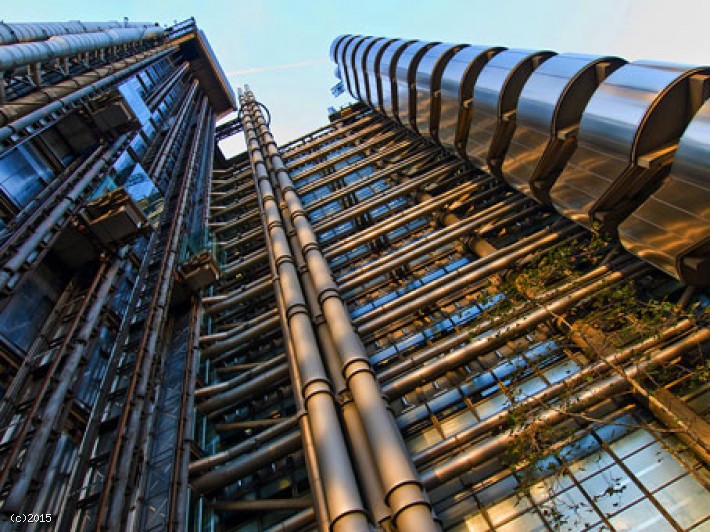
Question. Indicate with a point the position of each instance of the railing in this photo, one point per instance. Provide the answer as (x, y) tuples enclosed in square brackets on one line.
[(181, 28)]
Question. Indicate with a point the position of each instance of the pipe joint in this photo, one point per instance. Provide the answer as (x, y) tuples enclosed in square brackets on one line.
[(314, 386), (327, 293), (403, 498), (298, 307), (280, 260), (287, 189), (310, 246), (355, 519), (355, 365)]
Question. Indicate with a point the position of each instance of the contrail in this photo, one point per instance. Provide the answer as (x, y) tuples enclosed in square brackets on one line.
[(288, 66)]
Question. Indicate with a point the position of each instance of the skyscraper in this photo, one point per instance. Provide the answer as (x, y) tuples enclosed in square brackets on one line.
[(108, 139), (474, 300)]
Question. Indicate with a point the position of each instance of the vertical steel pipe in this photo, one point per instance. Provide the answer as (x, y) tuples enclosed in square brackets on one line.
[(344, 505), (404, 493)]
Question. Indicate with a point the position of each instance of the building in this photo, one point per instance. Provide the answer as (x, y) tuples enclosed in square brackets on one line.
[(107, 143), (474, 300)]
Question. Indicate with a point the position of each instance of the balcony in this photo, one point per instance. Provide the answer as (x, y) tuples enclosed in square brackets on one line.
[(200, 261)]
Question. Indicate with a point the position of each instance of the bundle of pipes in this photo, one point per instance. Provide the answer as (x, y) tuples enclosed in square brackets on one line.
[(58, 47), (343, 354), (590, 135), (18, 32), (38, 105)]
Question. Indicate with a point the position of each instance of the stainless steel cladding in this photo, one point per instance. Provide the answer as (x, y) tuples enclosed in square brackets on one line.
[(594, 136), (404, 78), (354, 60), (345, 67), (495, 96), (547, 119), (16, 55), (372, 72), (11, 33), (671, 229), (360, 67), (626, 138), (388, 65), (335, 48), (428, 85), (457, 83)]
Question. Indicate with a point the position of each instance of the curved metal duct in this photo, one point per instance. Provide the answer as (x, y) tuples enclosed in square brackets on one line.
[(15, 55), (388, 64), (335, 45), (427, 92), (591, 135), (671, 229), (373, 85), (357, 53), (627, 137), (457, 83), (405, 73), (12, 33), (344, 51), (359, 59), (548, 115), (495, 98)]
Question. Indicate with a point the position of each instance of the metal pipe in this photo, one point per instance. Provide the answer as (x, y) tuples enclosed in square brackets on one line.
[(428, 243), (422, 374), (388, 171), (264, 505), (179, 125), (315, 479), (21, 223), (249, 261), (260, 368), (388, 136), (298, 522), (364, 463), (492, 423), (180, 491), (247, 463), (343, 501), (455, 340), (414, 212), (231, 397), (291, 152), (249, 424), (242, 238), (462, 278), (234, 298), (591, 395), (410, 506), (222, 348), (243, 326), (122, 454), (352, 167), (103, 284), (157, 97), (382, 198), (15, 32), (59, 46), (221, 227), (15, 118), (68, 203), (243, 447)]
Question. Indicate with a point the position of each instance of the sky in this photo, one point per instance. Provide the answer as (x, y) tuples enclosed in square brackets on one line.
[(281, 47)]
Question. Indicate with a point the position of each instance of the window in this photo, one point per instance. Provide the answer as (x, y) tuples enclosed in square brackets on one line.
[(39, 293), (23, 174)]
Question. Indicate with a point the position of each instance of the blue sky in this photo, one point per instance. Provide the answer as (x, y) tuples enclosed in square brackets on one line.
[(280, 47)]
